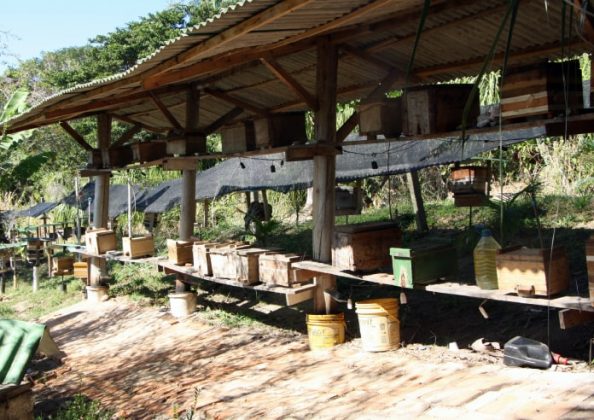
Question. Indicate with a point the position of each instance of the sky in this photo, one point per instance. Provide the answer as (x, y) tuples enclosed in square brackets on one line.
[(34, 26)]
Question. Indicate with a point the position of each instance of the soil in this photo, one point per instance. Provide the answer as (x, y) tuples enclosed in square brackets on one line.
[(143, 363)]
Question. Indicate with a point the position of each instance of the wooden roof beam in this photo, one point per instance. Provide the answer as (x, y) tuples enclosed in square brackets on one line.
[(282, 75), (127, 135), (166, 113), (236, 101), (584, 19), (147, 127), (76, 136), (366, 56), (228, 117)]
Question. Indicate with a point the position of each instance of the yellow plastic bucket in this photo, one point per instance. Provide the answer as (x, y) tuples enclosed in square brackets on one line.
[(325, 331), (379, 324)]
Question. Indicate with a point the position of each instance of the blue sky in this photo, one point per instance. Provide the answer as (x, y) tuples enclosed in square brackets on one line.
[(46, 25)]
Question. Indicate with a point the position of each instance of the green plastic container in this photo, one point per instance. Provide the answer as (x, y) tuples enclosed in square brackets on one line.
[(425, 263)]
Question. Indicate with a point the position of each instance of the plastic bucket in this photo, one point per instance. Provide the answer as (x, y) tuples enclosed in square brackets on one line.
[(182, 304), (325, 331), (379, 324)]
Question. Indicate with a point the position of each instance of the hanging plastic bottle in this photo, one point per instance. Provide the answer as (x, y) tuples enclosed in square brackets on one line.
[(485, 254)]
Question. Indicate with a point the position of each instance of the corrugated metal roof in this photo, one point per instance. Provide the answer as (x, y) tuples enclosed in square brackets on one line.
[(456, 38)]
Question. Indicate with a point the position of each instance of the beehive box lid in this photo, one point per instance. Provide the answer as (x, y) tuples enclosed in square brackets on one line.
[(530, 254), (281, 257), (365, 227), (419, 249), (252, 251)]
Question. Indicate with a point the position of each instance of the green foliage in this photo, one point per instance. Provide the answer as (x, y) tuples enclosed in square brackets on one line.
[(141, 282), (81, 407)]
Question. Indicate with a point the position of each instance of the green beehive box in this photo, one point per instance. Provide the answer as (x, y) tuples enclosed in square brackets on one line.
[(423, 263)]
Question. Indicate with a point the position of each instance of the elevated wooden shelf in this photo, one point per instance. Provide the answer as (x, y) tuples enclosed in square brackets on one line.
[(294, 295)]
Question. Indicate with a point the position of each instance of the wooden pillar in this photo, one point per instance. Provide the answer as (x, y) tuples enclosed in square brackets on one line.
[(248, 201), (101, 203), (206, 209), (188, 201), (324, 177), (267, 215), (416, 198)]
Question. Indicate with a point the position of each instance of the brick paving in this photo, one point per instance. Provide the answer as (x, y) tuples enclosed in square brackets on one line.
[(144, 364)]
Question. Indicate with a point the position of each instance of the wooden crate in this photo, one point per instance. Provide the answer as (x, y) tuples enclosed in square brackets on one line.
[(120, 156), (99, 241), (179, 252), (364, 246), (81, 270), (247, 264), (590, 265), (438, 109), (423, 263), (280, 130), (469, 180), (186, 146), (275, 269), (201, 256), (148, 151), (142, 246), (539, 90), (348, 200), (383, 116), (532, 271), (238, 137)]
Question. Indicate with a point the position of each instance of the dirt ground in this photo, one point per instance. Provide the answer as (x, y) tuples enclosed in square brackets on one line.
[(143, 363)]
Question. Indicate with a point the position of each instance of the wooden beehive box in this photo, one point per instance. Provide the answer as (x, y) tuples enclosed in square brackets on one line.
[(383, 116), (223, 260), (81, 270), (187, 146), (148, 151), (438, 109), (590, 265), (533, 271), (276, 270), (34, 244), (99, 241), (63, 264), (120, 156), (179, 252), (364, 246), (238, 137), (280, 130), (423, 263), (247, 264), (201, 257), (142, 246), (539, 90)]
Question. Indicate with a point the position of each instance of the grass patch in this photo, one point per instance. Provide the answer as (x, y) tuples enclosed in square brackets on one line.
[(81, 407), (140, 282), (220, 317)]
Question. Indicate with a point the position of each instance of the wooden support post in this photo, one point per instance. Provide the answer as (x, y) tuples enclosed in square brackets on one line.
[(206, 208), (248, 201), (101, 203), (324, 171), (267, 214), (416, 198), (14, 273), (35, 279), (2, 283)]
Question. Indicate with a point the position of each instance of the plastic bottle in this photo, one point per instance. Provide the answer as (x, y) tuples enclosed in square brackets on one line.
[(485, 253)]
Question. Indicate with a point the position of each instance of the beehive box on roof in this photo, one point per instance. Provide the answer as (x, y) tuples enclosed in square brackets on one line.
[(239, 137), (364, 246), (382, 116), (279, 130), (533, 271), (438, 109), (544, 89), (179, 252)]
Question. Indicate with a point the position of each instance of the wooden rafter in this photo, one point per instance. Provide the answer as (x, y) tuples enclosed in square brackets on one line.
[(221, 121), (584, 17), (75, 136), (127, 135), (282, 75), (236, 101), (166, 113), (367, 56), (148, 127), (347, 127)]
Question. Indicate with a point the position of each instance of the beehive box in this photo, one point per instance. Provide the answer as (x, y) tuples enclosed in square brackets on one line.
[(238, 137), (382, 116), (186, 146), (81, 270), (223, 260), (148, 151), (590, 265), (276, 269), (179, 252), (142, 246), (99, 241), (469, 180), (364, 246), (438, 109), (247, 264), (63, 264), (533, 271), (423, 263), (539, 90), (201, 257), (280, 130)]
